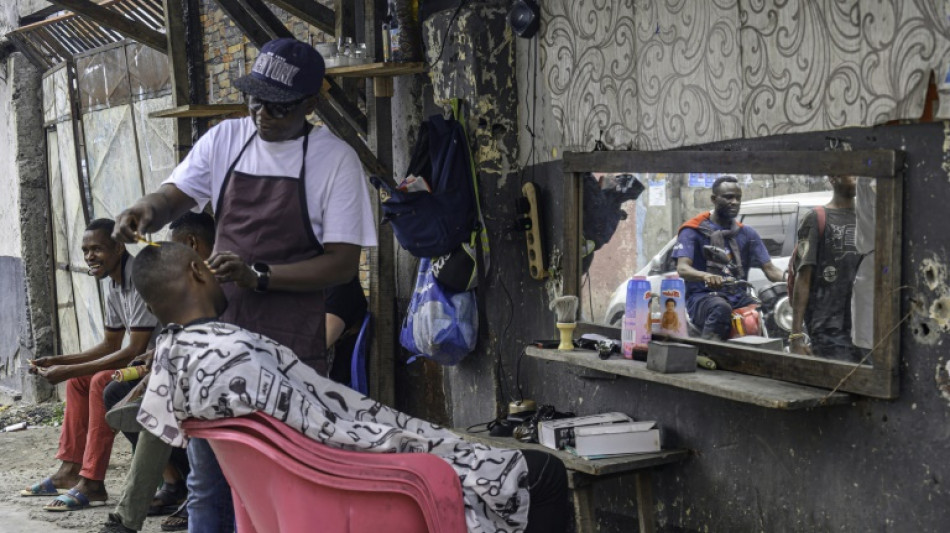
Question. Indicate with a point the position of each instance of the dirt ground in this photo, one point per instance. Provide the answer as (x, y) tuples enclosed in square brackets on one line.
[(28, 456)]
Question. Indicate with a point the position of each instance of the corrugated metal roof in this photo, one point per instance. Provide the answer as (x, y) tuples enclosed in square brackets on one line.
[(50, 42)]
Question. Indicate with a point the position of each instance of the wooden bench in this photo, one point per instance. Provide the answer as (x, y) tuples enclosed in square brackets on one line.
[(583, 473)]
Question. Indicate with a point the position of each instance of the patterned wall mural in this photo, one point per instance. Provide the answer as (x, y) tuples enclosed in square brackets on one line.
[(655, 74)]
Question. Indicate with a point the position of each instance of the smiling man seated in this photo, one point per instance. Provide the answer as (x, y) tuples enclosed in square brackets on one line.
[(85, 443), (208, 369)]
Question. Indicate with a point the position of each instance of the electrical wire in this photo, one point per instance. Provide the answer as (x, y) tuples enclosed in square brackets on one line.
[(448, 32)]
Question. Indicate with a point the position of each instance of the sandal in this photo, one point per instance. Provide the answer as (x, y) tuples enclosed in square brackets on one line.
[(43, 488), (72, 501), (168, 498), (177, 521)]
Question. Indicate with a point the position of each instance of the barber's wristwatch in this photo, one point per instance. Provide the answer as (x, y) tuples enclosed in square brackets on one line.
[(263, 276)]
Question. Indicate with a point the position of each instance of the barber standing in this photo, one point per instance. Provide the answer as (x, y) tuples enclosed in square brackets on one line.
[(290, 200), (292, 210)]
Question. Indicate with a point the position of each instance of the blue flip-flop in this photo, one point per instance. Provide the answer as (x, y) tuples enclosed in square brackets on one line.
[(43, 488), (73, 500)]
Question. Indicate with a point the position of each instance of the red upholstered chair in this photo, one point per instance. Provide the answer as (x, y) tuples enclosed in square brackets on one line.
[(285, 482)]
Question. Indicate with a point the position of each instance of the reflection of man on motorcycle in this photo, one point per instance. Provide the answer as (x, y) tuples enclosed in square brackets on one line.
[(709, 300), (827, 263)]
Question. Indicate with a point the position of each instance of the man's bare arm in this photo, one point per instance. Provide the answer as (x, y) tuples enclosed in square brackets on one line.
[(685, 269), (151, 213), (773, 272), (111, 342), (338, 264), (800, 295), (138, 343)]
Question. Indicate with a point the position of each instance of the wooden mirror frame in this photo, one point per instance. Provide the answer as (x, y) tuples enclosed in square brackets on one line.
[(881, 379)]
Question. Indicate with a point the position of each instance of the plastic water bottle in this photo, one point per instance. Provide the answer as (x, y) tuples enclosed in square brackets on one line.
[(635, 335)]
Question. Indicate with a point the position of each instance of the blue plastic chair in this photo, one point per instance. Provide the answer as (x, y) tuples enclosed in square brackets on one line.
[(358, 367)]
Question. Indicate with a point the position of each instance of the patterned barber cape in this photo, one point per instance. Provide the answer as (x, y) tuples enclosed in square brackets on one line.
[(214, 370)]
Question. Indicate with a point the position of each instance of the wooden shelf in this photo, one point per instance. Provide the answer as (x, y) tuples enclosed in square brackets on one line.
[(755, 390), (376, 70), (201, 111), (595, 467)]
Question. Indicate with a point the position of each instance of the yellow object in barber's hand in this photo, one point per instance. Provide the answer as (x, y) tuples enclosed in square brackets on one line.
[(145, 241)]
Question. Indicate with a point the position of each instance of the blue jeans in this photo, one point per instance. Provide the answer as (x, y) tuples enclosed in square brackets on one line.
[(210, 509)]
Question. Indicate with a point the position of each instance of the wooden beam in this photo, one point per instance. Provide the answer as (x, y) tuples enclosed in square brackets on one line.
[(383, 257), (118, 23), (248, 25), (350, 110), (310, 12), (175, 32), (255, 20), (267, 19), (888, 322), (339, 125), (345, 19), (28, 50), (345, 26), (868, 163)]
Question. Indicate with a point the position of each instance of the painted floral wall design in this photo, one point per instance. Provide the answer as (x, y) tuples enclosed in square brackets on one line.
[(656, 74)]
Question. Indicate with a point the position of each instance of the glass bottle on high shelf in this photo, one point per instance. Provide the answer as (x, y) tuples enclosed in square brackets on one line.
[(387, 44), (395, 52)]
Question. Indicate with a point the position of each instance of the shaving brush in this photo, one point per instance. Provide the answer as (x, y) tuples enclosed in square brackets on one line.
[(565, 307)]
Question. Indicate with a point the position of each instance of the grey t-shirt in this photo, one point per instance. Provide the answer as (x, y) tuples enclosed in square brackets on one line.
[(835, 258), (125, 308)]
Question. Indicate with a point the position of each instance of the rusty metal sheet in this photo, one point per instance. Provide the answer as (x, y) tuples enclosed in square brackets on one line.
[(156, 142), (65, 304), (85, 288), (103, 79), (112, 160), (149, 75), (49, 99), (61, 95)]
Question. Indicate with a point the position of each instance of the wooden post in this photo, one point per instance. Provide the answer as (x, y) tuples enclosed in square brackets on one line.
[(383, 257), (175, 33), (645, 506)]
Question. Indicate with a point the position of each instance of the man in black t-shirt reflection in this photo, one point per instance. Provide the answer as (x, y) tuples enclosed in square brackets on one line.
[(827, 260)]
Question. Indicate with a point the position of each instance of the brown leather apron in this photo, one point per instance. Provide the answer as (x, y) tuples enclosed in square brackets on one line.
[(265, 219)]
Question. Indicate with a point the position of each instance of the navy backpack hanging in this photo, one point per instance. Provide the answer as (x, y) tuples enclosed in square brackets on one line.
[(431, 224)]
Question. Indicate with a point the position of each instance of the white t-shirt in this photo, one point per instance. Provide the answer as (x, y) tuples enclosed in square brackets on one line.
[(337, 194)]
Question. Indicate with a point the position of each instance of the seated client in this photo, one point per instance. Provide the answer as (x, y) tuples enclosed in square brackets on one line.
[(208, 369)]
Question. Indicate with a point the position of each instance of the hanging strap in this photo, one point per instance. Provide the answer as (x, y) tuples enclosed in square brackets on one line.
[(479, 239)]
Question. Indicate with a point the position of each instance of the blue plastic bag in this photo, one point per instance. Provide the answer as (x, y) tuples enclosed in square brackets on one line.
[(441, 325)]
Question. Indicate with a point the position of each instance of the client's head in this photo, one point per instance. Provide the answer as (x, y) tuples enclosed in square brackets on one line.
[(176, 284), (195, 230)]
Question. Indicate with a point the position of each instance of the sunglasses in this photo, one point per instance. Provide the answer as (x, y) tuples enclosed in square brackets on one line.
[(275, 109)]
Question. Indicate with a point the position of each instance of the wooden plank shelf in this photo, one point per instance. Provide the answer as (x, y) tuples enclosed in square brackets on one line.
[(376, 70), (595, 467), (745, 388), (201, 111)]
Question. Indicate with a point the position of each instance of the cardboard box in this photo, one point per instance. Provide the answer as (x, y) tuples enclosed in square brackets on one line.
[(555, 434), (591, 442), (671, 357)]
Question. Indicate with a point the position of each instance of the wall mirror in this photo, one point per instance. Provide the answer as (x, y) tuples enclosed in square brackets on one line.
[(624, 210)]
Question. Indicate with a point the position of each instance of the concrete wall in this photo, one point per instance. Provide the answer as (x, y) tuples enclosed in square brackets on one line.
[(26, 315)]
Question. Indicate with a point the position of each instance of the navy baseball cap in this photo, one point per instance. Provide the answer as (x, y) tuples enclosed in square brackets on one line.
[(286, 70)]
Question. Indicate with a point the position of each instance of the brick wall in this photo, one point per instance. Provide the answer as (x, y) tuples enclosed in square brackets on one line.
[(229, 55)]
